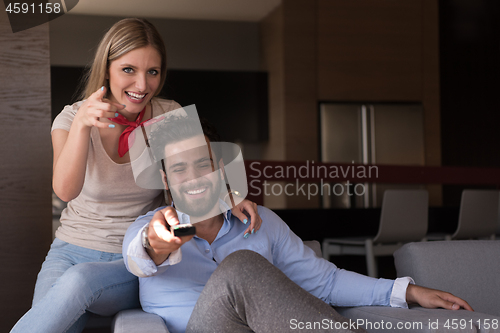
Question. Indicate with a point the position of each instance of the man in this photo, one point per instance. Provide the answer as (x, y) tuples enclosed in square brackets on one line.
[(204, 283)]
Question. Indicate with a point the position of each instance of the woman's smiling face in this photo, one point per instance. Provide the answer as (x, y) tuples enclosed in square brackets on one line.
[(134, 78)]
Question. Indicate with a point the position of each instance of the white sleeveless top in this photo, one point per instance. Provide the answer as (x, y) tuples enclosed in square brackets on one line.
[(110, 200)]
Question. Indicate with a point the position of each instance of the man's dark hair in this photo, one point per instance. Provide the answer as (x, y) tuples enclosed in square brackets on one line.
[(179, 129)]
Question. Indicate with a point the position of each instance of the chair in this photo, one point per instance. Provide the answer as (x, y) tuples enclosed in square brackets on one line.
[(478, 215), (404, 218), (498, 221)]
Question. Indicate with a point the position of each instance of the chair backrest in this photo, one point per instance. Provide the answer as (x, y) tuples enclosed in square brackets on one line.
[(498, 219), (315, 246), (478, 214), (404, 216), (468, 269)]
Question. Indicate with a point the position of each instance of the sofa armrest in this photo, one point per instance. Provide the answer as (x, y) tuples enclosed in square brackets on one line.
[(136, 320), (418, 320), (467, 269), (484, 323)]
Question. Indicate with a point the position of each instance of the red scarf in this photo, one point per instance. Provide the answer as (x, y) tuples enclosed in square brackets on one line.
[(123, 146)]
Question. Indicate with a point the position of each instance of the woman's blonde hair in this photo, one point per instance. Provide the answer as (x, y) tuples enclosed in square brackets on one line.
[(124, 36)]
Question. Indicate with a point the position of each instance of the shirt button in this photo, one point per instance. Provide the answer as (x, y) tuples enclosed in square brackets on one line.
[(207, 250)]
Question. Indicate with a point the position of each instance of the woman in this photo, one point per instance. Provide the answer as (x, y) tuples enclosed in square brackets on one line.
[(84, 270)]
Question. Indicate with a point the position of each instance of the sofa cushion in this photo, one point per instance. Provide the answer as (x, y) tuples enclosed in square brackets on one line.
[(467, 269), (136, 320), (385, 319), (420, 320)]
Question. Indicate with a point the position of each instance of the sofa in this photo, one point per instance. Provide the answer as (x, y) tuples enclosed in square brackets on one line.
[(467, 269)]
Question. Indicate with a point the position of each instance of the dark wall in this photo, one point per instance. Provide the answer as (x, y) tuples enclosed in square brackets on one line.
[(470, 86), (191, 44), (234, 101)]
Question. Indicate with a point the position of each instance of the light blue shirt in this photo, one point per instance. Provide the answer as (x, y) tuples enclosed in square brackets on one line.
[(172, 288)]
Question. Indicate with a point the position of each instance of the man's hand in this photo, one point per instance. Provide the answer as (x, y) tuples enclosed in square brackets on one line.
[(160, 238), (432, 298)]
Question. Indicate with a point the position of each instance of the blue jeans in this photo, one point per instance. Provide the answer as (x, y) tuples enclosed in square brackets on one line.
[(73, 282)]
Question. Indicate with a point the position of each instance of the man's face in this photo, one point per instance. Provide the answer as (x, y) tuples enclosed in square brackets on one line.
[(193, 180)]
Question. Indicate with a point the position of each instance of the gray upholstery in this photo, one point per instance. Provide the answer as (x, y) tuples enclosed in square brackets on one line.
[(138, 321), (409, 320), (418, 319), (467, 269)]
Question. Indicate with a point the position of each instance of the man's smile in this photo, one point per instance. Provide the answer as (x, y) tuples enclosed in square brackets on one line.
[(197, 191)]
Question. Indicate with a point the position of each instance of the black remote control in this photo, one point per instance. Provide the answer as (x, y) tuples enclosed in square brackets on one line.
[(184, 230)]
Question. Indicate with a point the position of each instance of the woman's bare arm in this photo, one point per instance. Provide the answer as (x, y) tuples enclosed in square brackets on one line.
[(71, 148)]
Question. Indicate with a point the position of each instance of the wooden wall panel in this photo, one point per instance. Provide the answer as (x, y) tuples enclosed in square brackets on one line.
[(25, 165), (271, 35), (272, 53), (300, 76), (431, 93), (370, 50), (289, 55), (288, 38)]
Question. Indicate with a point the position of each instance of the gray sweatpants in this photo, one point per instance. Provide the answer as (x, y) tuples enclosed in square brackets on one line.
[(246, 293)]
